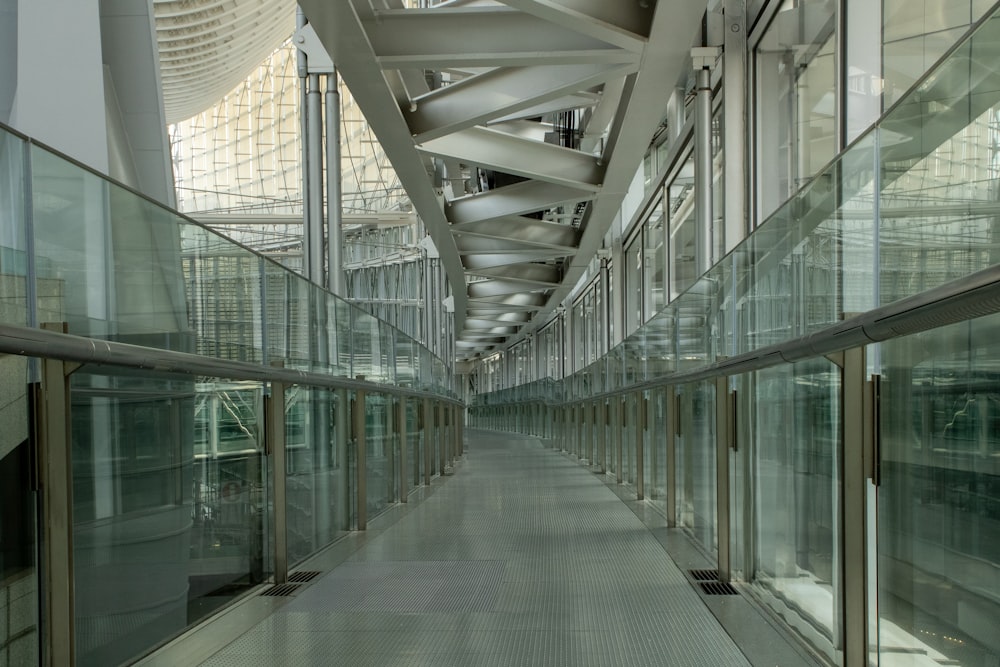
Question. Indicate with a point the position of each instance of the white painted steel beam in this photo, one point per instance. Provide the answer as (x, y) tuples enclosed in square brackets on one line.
[(495, 288), (339, 28), (579, 100), (545, 275), (480, 36), (624, 24), (496, 260), (512, 200), (526, 231), (498, 93), (522, 157), (511, 233)]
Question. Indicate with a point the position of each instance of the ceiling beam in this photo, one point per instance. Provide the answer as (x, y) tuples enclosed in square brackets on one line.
[(522, 157), (512, 200), (480, 36), (498, 93)]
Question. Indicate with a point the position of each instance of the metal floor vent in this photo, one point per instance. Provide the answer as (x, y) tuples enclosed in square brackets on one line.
[(704, 575), (281, 590), (717, 588), (302, 577)]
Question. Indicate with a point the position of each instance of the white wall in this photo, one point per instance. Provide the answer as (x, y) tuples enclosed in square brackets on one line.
[(59, 96)]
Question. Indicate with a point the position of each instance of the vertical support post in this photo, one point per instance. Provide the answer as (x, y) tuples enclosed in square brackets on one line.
[(734, 77), (854, 560), (302, 69), (673, 429), (361, 456), (722, 439), (461, 431), (440, 435), (404, 487), (640, 441), (313, 250), (703, 170), (274, 447), (55, 479), (334, 203), (618, 408), (428, 441), (602, 435)]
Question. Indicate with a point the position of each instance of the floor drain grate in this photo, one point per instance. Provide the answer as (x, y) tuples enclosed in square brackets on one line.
[(281, 590), (704, 575), (717, 588), (302, 577)]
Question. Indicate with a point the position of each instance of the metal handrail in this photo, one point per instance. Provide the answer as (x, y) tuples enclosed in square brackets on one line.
[(42, 343)]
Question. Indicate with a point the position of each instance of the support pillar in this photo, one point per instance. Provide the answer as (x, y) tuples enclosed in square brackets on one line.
[(334, 203), (274, 448), (55, 482), (722, 440), (404, 487), (360, 457)]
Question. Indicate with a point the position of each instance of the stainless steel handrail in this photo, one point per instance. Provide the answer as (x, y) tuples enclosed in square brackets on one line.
[(41, 343)]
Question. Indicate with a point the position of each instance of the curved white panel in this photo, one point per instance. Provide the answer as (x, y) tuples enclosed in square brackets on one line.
[(208, 46)]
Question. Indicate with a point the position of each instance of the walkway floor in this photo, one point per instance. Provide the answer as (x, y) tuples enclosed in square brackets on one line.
[(522, 558)]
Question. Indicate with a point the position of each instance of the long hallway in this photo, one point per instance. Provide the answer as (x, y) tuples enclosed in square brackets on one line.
[(522, 558)]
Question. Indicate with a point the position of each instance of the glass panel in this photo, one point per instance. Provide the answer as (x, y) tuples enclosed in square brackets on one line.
[(19, 592), (631, 437), (683, 225), (795, 427), (378, 453), (939, 498), (656, 486), (317, 484), (796, 99), (656, 261), (13, 234), (915, 35), (696, 453), (169, 506), (938, 205)]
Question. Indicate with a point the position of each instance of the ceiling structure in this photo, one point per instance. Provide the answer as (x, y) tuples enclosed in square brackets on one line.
[(206, 47), (516, 128)]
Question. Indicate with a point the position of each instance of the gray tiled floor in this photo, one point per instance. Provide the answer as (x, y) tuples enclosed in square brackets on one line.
[(523, 558)]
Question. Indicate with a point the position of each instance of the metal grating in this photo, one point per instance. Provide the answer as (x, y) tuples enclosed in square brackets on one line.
[(717, 588), (704, 575), (281, 590), (304, 576)]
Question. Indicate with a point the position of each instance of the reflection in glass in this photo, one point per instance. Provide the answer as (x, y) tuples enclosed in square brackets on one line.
[(169, 506), (796, 438), (796, 99), (317, 486), (939, 498), (696, 483)]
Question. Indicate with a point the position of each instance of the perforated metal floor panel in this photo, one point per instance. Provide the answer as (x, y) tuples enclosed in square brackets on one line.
[(522, 558)]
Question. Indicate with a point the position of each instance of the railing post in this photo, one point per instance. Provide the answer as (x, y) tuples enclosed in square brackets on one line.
[(853, 614), (673, 429), (274, 447), (722, 440), (640, 441), (55, 481), (360, 456), (428, 441), (403, 437)]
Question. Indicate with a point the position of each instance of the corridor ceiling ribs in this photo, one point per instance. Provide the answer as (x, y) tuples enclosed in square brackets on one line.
[(471, 98)]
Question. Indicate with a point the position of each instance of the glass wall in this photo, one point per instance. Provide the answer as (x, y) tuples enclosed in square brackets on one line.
[(796, 441), (939, 497), (796, 99), (317, 485), (18, 501), (169, 505), (696, 470)]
